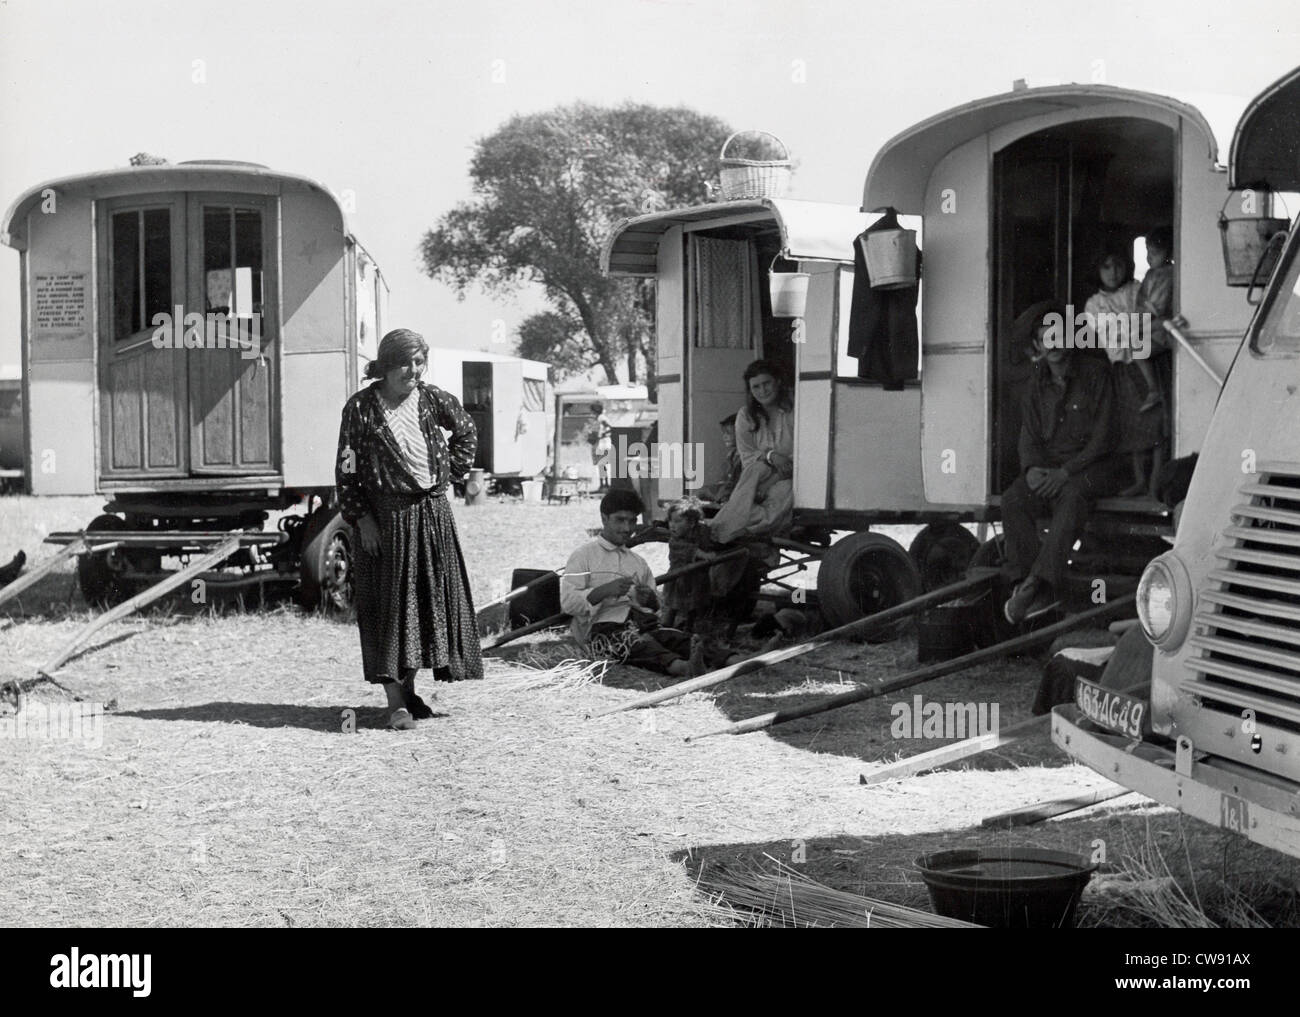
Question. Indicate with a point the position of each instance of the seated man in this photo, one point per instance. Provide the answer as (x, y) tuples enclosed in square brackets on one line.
[(1066, 436), (609, 591)]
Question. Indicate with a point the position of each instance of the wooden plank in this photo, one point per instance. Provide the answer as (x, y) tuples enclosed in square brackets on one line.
[(1036, 812), (145, 597), (964, 749)]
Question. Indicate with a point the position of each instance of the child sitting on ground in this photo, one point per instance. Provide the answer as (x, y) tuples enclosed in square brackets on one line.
[(686, 599)]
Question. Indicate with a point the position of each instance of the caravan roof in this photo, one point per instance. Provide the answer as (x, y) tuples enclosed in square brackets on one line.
[(810, 231), (901, 169)]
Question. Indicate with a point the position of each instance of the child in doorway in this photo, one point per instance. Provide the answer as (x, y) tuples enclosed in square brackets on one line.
[(1156, 298), (1140, 431), (686, 599)]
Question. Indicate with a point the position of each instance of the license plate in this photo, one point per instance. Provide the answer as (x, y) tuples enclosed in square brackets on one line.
[(1110, 709)]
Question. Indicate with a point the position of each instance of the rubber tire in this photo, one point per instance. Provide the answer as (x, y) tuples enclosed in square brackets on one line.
[(325, 566), (864, 573), (942, 552), (101, 585)]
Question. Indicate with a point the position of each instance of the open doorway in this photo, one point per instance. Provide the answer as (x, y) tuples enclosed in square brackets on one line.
[(1062, 197), (729, 323)]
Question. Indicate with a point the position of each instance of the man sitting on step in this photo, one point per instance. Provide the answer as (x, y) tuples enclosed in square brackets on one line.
[(1066, 438)]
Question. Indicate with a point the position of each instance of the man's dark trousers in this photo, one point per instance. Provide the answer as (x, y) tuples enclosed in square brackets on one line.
[(1022, 508)]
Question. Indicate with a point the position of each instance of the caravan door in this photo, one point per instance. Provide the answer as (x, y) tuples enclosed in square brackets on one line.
[(507, 416), (232, 389)]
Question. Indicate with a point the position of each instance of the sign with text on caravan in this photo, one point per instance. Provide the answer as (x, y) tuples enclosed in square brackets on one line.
[(190, 334)]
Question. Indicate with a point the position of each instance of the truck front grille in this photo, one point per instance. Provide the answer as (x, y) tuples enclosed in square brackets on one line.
[(1247, 629)]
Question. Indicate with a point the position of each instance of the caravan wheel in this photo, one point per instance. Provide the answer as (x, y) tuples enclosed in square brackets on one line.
[(865, 573), (100, 574), (942, 552), (326, 569)]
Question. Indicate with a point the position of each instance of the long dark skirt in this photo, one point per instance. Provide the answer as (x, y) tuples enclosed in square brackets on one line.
[(414, 608)]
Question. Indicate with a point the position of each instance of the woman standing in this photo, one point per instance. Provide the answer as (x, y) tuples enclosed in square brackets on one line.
[(412, 592), (763, 499)]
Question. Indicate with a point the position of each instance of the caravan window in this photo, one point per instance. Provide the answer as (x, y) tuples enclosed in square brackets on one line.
[(727, 309), (534, 397), (232, 260), (140, 269)]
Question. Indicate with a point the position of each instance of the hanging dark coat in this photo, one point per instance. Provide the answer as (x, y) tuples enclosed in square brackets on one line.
[(883, 335)]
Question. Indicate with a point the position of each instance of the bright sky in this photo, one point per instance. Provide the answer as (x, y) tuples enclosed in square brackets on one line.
[(385, 98)]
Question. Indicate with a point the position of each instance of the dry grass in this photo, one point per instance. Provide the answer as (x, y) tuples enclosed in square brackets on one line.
[(245, 777)]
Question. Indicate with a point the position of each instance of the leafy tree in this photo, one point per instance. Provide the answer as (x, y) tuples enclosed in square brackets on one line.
[(548, 187), (557, 339)]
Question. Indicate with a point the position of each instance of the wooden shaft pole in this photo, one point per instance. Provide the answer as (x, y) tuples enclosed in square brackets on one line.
[(520, 590), (34, 576), (224, 551), (924, 674), (1036, 812), (525, 630), (1190, 350), (764, 660)]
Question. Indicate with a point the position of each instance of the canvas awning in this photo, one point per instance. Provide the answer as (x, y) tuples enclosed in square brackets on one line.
[(1266, 146), (900, 172), (810, 231)]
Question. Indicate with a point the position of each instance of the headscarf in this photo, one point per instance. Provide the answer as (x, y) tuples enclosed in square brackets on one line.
[(396, 348)]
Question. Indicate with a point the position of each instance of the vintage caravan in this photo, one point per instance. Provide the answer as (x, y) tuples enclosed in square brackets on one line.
[(189, 335), (857, 460), (1216, 733), (1013, 196), (1019, 193), (506, 397)]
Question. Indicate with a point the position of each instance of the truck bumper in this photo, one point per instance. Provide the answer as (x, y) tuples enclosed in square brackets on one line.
[(1259, 806)]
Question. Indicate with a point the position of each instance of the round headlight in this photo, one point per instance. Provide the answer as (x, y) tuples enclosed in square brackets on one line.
[(1155, 601), (1164, 602)]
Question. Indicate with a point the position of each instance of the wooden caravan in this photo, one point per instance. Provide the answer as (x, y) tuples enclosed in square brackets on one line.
[(189, 333), (1018, 193), (855, 445)]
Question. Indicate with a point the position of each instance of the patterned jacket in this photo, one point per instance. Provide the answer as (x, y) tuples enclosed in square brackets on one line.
[(370, 461)]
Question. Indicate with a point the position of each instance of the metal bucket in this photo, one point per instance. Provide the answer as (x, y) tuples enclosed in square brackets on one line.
[(891, 258), (1244, 243), (789, 293), (1007, 888)]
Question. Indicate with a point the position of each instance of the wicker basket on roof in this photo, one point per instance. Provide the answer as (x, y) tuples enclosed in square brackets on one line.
[(753, 178)]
